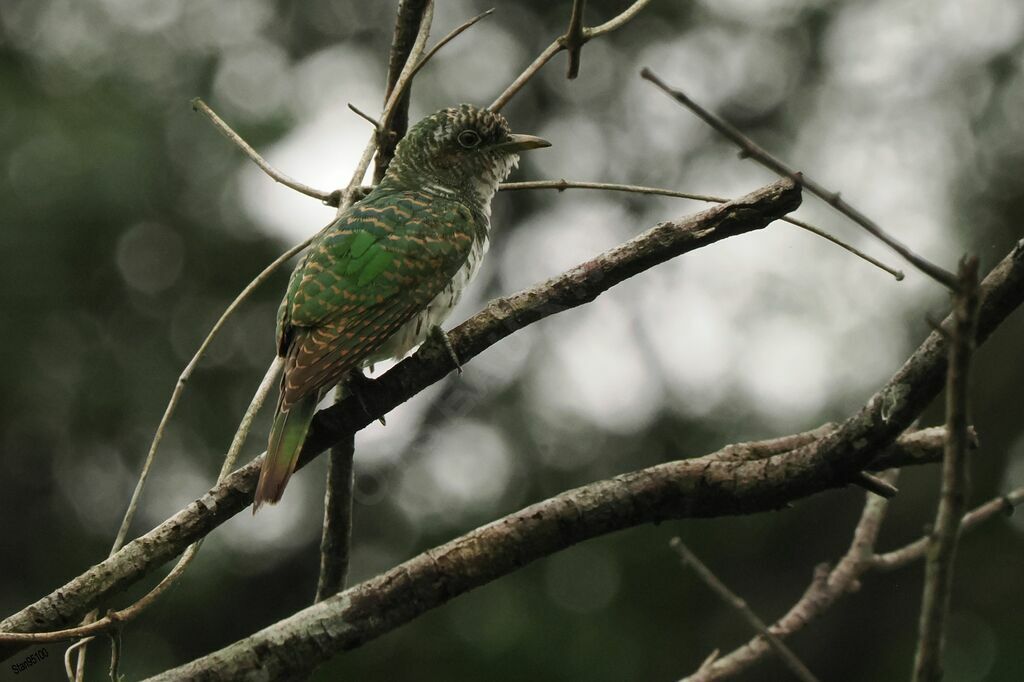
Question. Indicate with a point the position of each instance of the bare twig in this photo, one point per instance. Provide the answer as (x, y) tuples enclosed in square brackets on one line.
[(115, 619), (69, 667), (363, 115), (751, 149), (562, 185), (826, 587), (201, 106), (561, 43), (115, 654), (876, 485), (444, 41), (784, 653), (407, 25), (336, 538), (348, 195), (898, 558), (830, 585), (574, 38), (938, 580)]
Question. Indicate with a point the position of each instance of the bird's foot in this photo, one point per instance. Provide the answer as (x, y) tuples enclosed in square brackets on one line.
[(441, 336), (356, 384)]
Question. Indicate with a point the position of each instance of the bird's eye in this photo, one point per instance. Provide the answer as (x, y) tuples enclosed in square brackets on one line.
[(469, 138)]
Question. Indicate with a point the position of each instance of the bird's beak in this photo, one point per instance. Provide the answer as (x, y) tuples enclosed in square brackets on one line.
[(520, 143)]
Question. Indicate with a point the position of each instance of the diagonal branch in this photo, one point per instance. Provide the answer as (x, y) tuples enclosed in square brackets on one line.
[(502, 317), (688, 558), (562, 185), (833, 199)]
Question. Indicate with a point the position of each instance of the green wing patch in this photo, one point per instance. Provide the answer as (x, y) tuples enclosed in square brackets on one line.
[(376, 268)]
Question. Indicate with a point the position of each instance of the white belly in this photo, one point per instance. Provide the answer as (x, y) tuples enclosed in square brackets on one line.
[(415, 331)]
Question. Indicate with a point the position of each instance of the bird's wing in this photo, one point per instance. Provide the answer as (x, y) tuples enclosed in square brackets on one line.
[(377, 267)]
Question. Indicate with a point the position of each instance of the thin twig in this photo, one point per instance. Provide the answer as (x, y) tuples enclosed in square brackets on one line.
[(183, 379), (559, 44), (116, 618), (68, 667), (914, 551), (938, 581), (751, 149), (445, 40), (828, 586), (790, 659), (172, 405), (201, 106), (407, 25), (825, 588), (574, 38), (876, 485), (348, 195), (562, 185), (363, 115), (336, 539), (115, 654)]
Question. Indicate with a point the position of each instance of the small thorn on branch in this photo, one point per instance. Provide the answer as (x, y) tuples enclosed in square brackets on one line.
[(876, 485), (365, 116)]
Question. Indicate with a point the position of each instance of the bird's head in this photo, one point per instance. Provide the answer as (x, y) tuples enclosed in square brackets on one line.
[(462, 151)]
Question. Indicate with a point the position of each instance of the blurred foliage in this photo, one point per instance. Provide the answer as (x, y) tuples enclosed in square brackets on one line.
[(127, 224)]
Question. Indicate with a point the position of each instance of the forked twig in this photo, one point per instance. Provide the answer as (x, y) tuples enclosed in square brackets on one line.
[(562, 43), (751, 149)]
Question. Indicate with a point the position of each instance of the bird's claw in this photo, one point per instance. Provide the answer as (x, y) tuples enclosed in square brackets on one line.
[(441, 337), (354, 385)]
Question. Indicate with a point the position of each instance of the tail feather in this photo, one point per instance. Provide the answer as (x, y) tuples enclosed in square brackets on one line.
[(286, 438)]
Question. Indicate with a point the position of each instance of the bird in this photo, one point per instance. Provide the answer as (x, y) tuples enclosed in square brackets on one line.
[(381, 278)]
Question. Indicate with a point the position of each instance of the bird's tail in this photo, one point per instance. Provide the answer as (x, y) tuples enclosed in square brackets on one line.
[(286, 438)]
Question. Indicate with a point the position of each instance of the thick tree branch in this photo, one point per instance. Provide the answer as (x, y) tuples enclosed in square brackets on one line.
[(499, 319)]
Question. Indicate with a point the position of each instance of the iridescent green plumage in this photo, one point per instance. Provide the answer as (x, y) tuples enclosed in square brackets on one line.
[(392, 266)]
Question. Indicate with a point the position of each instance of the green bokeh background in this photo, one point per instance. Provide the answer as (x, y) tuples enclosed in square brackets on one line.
[(126, 226)]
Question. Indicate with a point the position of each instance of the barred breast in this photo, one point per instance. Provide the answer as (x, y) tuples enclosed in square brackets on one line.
[(415, 331)]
